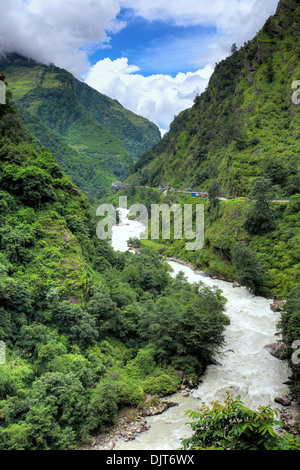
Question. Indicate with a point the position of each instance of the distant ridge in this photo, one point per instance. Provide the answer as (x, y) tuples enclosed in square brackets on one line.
[(93, 137)]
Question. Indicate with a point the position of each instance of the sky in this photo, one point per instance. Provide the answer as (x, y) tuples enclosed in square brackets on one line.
[(153, 56)]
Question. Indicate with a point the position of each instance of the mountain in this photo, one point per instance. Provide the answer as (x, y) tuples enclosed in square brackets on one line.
[(240, 143), (244, 125), (93, 137), (80, 324)]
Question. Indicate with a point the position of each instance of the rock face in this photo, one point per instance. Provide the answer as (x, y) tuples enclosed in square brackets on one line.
[(291, 418), (284, 401), (273, 349), (277, 305), (157, 408), (236, 284)]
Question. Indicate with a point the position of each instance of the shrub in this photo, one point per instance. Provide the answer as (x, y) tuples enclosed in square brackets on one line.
[(162, 385), (249, 272), (232, 426)]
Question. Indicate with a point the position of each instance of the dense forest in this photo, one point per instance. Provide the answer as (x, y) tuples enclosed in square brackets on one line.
[(87, 330)]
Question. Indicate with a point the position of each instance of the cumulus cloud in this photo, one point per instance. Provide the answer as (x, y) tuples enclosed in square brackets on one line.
[(66, 31), (157, 97), (57, 31), (235, 20), (242, 28), (224, 14)]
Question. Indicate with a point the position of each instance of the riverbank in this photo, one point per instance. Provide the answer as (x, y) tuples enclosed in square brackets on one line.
[(130, 424), (243, 368), (133, 422)]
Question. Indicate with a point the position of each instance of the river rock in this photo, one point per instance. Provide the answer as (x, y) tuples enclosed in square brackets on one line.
[(291, 418), (277, 305), (236, 284), (273, 349), (158, 409), (216, 363), (191, 382), (284, 401)]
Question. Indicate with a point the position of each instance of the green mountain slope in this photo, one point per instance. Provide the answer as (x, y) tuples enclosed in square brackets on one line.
[(82, 327), (244, 125), (92, 136)]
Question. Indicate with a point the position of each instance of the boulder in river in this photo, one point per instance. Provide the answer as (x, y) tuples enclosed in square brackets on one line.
[(152, 409), (284, 401), (273, 349), (277, 305)]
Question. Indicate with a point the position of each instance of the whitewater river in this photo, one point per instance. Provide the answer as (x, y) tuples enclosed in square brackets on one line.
[(245, 367)]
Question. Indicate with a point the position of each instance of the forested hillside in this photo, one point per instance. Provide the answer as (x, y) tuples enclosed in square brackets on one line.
[(244, 125), (240, 143), (87, 331), (93, 137)]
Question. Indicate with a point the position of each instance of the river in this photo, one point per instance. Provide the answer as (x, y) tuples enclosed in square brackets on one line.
[(245, 367)]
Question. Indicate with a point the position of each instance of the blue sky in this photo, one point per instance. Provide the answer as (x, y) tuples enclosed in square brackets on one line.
[(158, 47), (153, 56)]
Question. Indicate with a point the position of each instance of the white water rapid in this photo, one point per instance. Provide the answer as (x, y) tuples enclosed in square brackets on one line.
[(246, 368)]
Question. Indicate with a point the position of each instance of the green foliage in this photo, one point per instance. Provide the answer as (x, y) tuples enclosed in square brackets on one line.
[(102, 408), (73, 311), (249, 271), (232, 426), (162, 385), (89, 331), (259, 216), (189, 321)]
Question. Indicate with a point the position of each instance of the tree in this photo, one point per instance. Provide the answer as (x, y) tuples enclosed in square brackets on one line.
[(188, 321), (214, 192), (259, 216), (270, 70), (102, 408), (249, 271), (274, 170), (234, 48), (232, 426)]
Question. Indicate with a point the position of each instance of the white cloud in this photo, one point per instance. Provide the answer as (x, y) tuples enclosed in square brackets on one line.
[(235, 20), (57, 31), (224, 14), (65, 31), (156, 97)]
